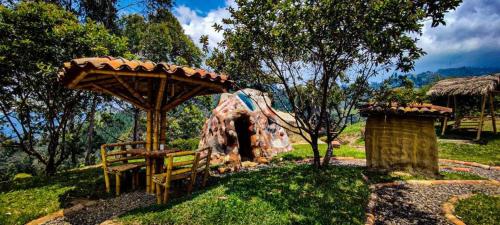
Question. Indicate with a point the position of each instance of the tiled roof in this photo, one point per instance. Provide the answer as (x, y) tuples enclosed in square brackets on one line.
[(119, 64), (427, 110)]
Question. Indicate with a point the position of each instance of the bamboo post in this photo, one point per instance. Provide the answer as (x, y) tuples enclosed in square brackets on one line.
[(170, 161), (118, 182), (492, 112), (149, 116), (445, 122), (105, 168), (481, 119)]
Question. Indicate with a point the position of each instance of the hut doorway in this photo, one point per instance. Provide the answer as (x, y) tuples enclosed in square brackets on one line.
[(242, 125)]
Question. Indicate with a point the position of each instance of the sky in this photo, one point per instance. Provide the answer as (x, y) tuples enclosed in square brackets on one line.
[(471, 36)]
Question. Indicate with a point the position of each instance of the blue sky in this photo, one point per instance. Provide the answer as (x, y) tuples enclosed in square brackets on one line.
[(470, 38)]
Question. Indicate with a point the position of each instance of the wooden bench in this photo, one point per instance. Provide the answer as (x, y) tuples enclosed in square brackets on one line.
[(178, 168), (117, 162)]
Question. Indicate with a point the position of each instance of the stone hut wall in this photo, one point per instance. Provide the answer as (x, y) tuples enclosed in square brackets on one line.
[(401, 143)]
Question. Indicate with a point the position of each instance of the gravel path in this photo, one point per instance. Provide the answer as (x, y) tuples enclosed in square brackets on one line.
[(490, 174), (420, 204), (105, 209)]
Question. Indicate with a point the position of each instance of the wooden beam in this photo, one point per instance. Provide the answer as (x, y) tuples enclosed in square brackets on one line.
[(182, 98), (101, 82), (77, 79), (445, 122), (149, 123), (96, 78), (118, 95), (136, 94), (481, 119), (492, 112), (216, 86)]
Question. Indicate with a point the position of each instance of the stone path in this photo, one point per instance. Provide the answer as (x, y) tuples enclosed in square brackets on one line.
[(105, 209), (420, 204)]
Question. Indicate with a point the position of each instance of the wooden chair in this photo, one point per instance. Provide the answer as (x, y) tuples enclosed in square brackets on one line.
[(117, 163), (178, 167)]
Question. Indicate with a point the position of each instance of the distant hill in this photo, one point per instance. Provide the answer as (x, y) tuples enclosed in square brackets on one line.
[(428, 77)]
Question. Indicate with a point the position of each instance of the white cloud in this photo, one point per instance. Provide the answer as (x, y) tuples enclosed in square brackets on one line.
[(196, 25), (473, 26)]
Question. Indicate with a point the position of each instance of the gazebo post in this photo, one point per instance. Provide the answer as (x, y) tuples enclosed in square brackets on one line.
[(149, 118), (481, 119), (445, 122), (492, 112)]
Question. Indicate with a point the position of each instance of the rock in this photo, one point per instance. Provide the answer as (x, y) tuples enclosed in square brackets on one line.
[(460, 169), (263, 160), (249, 164), (335, 144), (221, 170)]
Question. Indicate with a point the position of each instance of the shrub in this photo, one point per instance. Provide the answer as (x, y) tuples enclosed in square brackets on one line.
[(184, 144)]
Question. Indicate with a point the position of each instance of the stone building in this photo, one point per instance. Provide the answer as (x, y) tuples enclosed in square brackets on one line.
[(243, 127)]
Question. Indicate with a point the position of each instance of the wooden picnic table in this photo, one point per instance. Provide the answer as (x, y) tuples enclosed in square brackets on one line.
[(151, 157)]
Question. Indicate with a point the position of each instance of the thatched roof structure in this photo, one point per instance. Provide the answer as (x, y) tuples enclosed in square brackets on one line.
[(481, 85)]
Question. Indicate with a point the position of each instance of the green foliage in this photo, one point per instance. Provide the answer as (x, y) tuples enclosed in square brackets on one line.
[(26, 199), (160, 39), (44, 116), (399, 90), (479, 209), (184, 144), (288, 194)]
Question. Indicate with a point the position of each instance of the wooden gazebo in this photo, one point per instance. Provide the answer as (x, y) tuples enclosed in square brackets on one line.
[(153, 87), (483, 86)]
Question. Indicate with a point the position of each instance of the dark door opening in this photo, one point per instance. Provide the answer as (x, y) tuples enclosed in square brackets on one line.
[(242, 125)]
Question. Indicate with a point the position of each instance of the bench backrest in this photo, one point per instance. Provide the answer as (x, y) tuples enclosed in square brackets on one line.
[(117, 152)]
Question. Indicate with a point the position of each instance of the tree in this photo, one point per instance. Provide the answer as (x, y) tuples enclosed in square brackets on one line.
[(160, 38), (43, 116), (321, 53)]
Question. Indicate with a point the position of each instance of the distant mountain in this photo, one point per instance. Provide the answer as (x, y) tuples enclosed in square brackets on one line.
[(428, 77)]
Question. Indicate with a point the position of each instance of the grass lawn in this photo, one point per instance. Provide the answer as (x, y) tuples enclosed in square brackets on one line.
[(288, 194), (302, 151), (29, 198), (485, 153), (479, 210)]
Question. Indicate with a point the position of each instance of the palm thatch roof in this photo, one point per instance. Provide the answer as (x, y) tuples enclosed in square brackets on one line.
[(481, 85)]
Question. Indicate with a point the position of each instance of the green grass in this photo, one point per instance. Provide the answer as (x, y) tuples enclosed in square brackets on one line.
[(353, 129), (480, 209), (488, 153), (303, 151), (288, 194), (28, 198)]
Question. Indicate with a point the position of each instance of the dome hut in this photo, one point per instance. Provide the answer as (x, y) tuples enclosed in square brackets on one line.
[(402, 138), (243, 127), (485, 87)]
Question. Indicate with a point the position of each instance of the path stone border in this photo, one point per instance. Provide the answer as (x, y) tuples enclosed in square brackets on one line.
[(449, 208), (369, 214), (473, 164), (58, 214)]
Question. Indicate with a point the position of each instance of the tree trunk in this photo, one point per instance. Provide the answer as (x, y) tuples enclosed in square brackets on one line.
[(317, 158), (90, 133), (328, 154)]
